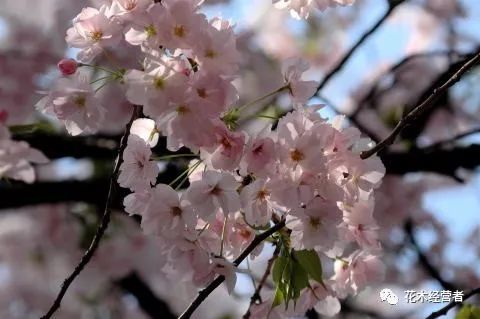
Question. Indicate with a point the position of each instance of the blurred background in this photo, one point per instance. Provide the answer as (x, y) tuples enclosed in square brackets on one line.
[(428, 205)]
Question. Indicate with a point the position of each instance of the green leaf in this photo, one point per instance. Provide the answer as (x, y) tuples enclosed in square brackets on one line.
[(44, 127), (468, 312), (309, 260), (278, 299), (299, 280), (278, 268)]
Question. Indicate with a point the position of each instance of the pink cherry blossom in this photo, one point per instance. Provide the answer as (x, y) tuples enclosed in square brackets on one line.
[(315, 226), (300, 90), (215, 50), (227, 151), (181, 24), (16, 158), (146, 130), (301, 9), (137, 170), (137, 202), (259, 153), (92, 32), (352, 275), (72, 100), (154, 86), (360, 224), (167, 214), (319, 297), (256, 204), (144, 29), (216, 189)]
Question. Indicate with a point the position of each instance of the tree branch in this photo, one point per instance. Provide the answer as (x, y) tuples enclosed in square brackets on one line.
[(19, 194), (363, 38), (453, 304), (425, 105), (441, 161), (256, 295), (424, 261), (148, 301), (104, 222), (204, 293)]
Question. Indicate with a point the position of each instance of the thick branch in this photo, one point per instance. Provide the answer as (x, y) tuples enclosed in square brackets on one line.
[(90, 191), (424, 106), (204, 293), (103, 225), (363, 38), (441, 161), (453, 304), (148, 301), (58, 146)]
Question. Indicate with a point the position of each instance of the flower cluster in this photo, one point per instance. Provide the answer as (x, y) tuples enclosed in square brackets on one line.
[(301, 9), (306, 172), (16, 158)]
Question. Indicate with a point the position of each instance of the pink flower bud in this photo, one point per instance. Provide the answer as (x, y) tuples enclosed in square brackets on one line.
[(67, 66), (3, 116)]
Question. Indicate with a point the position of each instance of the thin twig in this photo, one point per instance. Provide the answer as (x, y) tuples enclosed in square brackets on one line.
[(104, 222), (363, 38), (425, 105), (395, 67), (424, 261), (452, 139), (204, 293), (256, 295), (453, 304)]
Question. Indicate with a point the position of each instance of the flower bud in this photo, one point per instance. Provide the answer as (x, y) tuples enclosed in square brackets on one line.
[(67, 66)]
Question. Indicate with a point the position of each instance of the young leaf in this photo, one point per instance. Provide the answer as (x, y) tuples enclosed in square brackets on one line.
[(278, 299), (299, 280), (278, 268), (309, 260)]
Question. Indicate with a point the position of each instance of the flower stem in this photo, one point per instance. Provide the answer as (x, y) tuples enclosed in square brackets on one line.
[(243, 107)]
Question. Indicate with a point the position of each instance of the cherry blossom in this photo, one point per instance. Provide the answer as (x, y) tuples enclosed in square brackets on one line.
[(301, 9), (167, 214), (16, 158), (353, 274), (146, 130), (256, 203), (137, 170), (216, 189), (315, 226), (92, 32), (72, 100), (300, 90)]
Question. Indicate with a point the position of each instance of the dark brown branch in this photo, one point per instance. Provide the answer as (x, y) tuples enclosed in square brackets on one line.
[(17, 194), (422, 107), (148, 301), (58, 146), (104, 222), (94, 191), (424, 261), (204, 293), (256, 295), (453, 304), (363, 38), (441, 161)]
